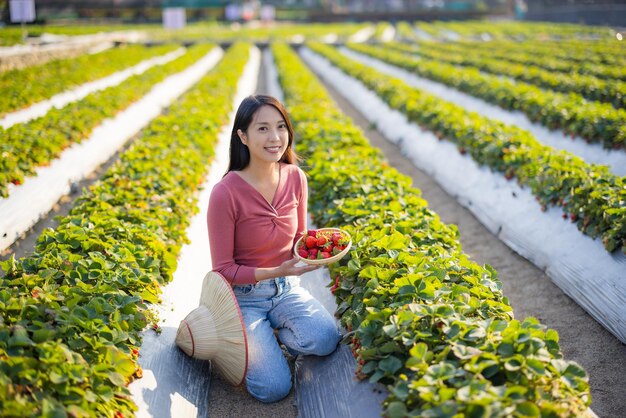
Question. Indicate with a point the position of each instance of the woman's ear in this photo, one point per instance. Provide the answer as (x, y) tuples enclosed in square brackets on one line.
[(242, 136)]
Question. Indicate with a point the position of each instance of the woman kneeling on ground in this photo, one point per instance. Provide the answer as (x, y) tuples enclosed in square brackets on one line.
[(256, 214)]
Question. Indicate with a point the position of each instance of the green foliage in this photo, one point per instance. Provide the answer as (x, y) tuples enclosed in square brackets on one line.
[(72, 313), (24, 87), (26, 146), (589, 194), (588, 86), (421, 317), (570, 112)]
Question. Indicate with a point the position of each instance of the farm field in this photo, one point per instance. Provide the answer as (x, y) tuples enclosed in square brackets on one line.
[(481, 177)]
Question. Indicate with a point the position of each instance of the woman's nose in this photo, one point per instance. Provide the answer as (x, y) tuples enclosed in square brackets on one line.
[(275, 135)]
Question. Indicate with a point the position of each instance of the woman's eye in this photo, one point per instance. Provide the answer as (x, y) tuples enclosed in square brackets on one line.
[(282, 126), (262, 129)]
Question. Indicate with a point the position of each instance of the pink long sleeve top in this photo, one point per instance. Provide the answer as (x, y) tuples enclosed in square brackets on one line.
[(247, 232)]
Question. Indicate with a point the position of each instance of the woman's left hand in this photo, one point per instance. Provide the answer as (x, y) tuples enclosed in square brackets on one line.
[(289, 268)]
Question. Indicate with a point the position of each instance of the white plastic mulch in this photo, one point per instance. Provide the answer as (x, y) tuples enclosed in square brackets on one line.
[(592, 153), (170, 384), (579, 265), (62, 99), (362, 35), (388, 34), (27, 203)]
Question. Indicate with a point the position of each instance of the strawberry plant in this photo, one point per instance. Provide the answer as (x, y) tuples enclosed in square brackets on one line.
[(559, 178), (73, 312), (590, 87), (594, 121), (24, 87), (26, 146), (422, 318)]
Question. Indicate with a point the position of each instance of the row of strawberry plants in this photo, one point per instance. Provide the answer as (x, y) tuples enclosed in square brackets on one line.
[(509, 51), (593, 197), (422, 318), (29, 145), (72, 312), (603, 51), (590, 87), (535, 32), (594, 121), (24, 87)]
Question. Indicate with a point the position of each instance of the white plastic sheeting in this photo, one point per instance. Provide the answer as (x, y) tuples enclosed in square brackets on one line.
[(592, 153), (60, 100), (27, 203), (174, 385), (579, 265), (362, 35)]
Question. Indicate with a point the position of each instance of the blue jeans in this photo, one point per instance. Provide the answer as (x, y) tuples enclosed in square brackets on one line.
[(304, 327)]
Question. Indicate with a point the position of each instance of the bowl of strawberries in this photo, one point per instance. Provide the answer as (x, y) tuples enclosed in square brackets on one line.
[(323, 246)]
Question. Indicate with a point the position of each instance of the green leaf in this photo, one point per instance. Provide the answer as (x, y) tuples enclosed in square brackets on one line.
[(527, 409), (390, 364)]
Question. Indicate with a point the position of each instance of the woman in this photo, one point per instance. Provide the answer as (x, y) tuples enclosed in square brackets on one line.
[(257, 212)]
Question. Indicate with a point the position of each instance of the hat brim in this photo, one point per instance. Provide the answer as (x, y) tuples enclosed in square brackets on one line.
[(216, 331)]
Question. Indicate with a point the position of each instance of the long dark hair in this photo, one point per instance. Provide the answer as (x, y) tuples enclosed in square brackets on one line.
[(239, 153)]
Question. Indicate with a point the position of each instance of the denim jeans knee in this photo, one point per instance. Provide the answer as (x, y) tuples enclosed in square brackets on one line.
[(304, 327)]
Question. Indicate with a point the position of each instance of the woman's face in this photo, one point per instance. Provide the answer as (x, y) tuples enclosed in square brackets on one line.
[(267, 136)]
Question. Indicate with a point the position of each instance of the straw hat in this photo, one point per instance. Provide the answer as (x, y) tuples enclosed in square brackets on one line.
[(215, 330)]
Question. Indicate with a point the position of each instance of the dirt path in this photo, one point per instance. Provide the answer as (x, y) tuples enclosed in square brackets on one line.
[(530, 290)]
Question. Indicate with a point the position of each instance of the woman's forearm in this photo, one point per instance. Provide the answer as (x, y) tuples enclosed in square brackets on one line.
[(264, 273), (287, 268)]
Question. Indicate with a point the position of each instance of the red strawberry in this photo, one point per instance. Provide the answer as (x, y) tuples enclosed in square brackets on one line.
[(336, 237), (325, 254), (321, 241), (312, 232), (303, 253), (313, 252), (335, 286), (310, 242)]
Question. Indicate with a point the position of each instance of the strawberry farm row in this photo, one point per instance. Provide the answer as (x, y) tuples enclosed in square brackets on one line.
[(24, 87), (29, 145), (422, 318), (593, 197), (588, 86), (535, 55), (541, 31), (594, 121), (73, 311)]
